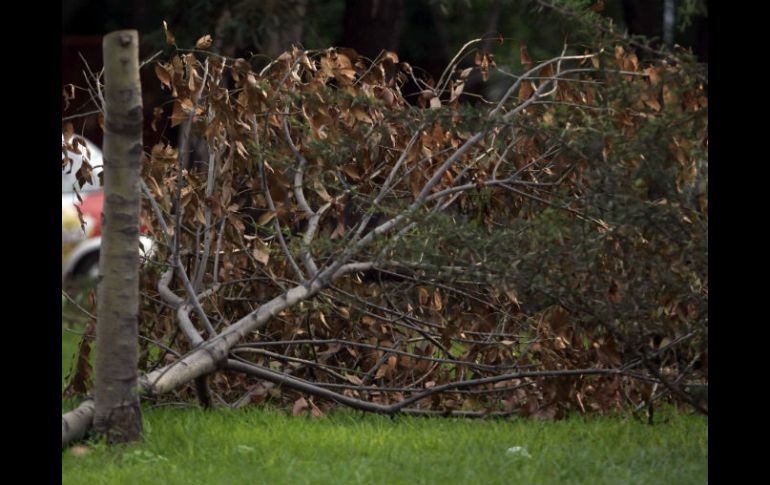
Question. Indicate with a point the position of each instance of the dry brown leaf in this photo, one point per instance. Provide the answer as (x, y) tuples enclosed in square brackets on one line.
[(170, 39), (321, 191), (68, 92), (177, 114), (68, 130), (423, 296), (164, 75), (415, 182), (352, 172), (315, 411), (526, 61), (438, 305), (382, 371), (511, 294), (204, 42), (361, 115), (457, 90), (526, 90), (391, 56), (354, 379), (339, 231), (261, 252), (79, 450), (266, 217), (157, 114), (299, 406)]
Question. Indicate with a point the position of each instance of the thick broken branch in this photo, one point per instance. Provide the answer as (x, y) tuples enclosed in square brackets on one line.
[(310, 388), (76, 423)]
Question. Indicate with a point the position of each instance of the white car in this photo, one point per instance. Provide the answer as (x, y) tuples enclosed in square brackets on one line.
[(81, 241)]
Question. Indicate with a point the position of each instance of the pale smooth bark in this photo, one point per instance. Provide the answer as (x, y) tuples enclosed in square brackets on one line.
[(75, 424), (117, 413)]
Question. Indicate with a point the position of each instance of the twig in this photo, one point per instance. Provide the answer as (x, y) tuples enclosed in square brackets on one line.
[(276, 222)]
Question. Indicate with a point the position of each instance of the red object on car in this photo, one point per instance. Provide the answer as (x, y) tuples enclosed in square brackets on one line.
[(92, 205), (81, 236)]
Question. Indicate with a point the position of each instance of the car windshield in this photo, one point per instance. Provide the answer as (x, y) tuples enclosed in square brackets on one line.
[(68, 175)]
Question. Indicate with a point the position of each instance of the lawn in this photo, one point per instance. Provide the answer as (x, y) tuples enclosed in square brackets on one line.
[(70, 338), (190, 446), (252, 446)]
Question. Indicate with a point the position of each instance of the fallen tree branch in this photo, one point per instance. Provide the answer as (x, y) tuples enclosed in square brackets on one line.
[(310, 388), (76, 423)]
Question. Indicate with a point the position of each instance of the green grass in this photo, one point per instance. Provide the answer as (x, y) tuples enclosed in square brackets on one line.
[(261, 446), (73, 326), (70, 338)]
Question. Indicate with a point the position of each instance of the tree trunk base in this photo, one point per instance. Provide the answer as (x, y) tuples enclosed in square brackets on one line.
[(122, 425)]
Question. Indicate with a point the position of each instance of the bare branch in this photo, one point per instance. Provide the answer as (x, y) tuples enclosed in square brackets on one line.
[(315, 390)]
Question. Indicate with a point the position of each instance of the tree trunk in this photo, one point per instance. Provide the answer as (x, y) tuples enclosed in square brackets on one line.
[(669, 18), (643, 17), (372, 25), (116, 400), (287, 30)]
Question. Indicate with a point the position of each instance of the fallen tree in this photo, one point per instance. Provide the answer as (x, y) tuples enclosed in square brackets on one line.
[(535, 254)]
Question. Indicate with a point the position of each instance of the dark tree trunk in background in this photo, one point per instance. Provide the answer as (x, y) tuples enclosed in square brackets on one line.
[(493, 21), (287, 31), (644, 17), (269, 27), (116, 400), (701, 47), (370, 26), (669, 22)]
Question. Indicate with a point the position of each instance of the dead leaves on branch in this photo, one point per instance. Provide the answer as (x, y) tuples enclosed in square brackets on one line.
[(350, 123)]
